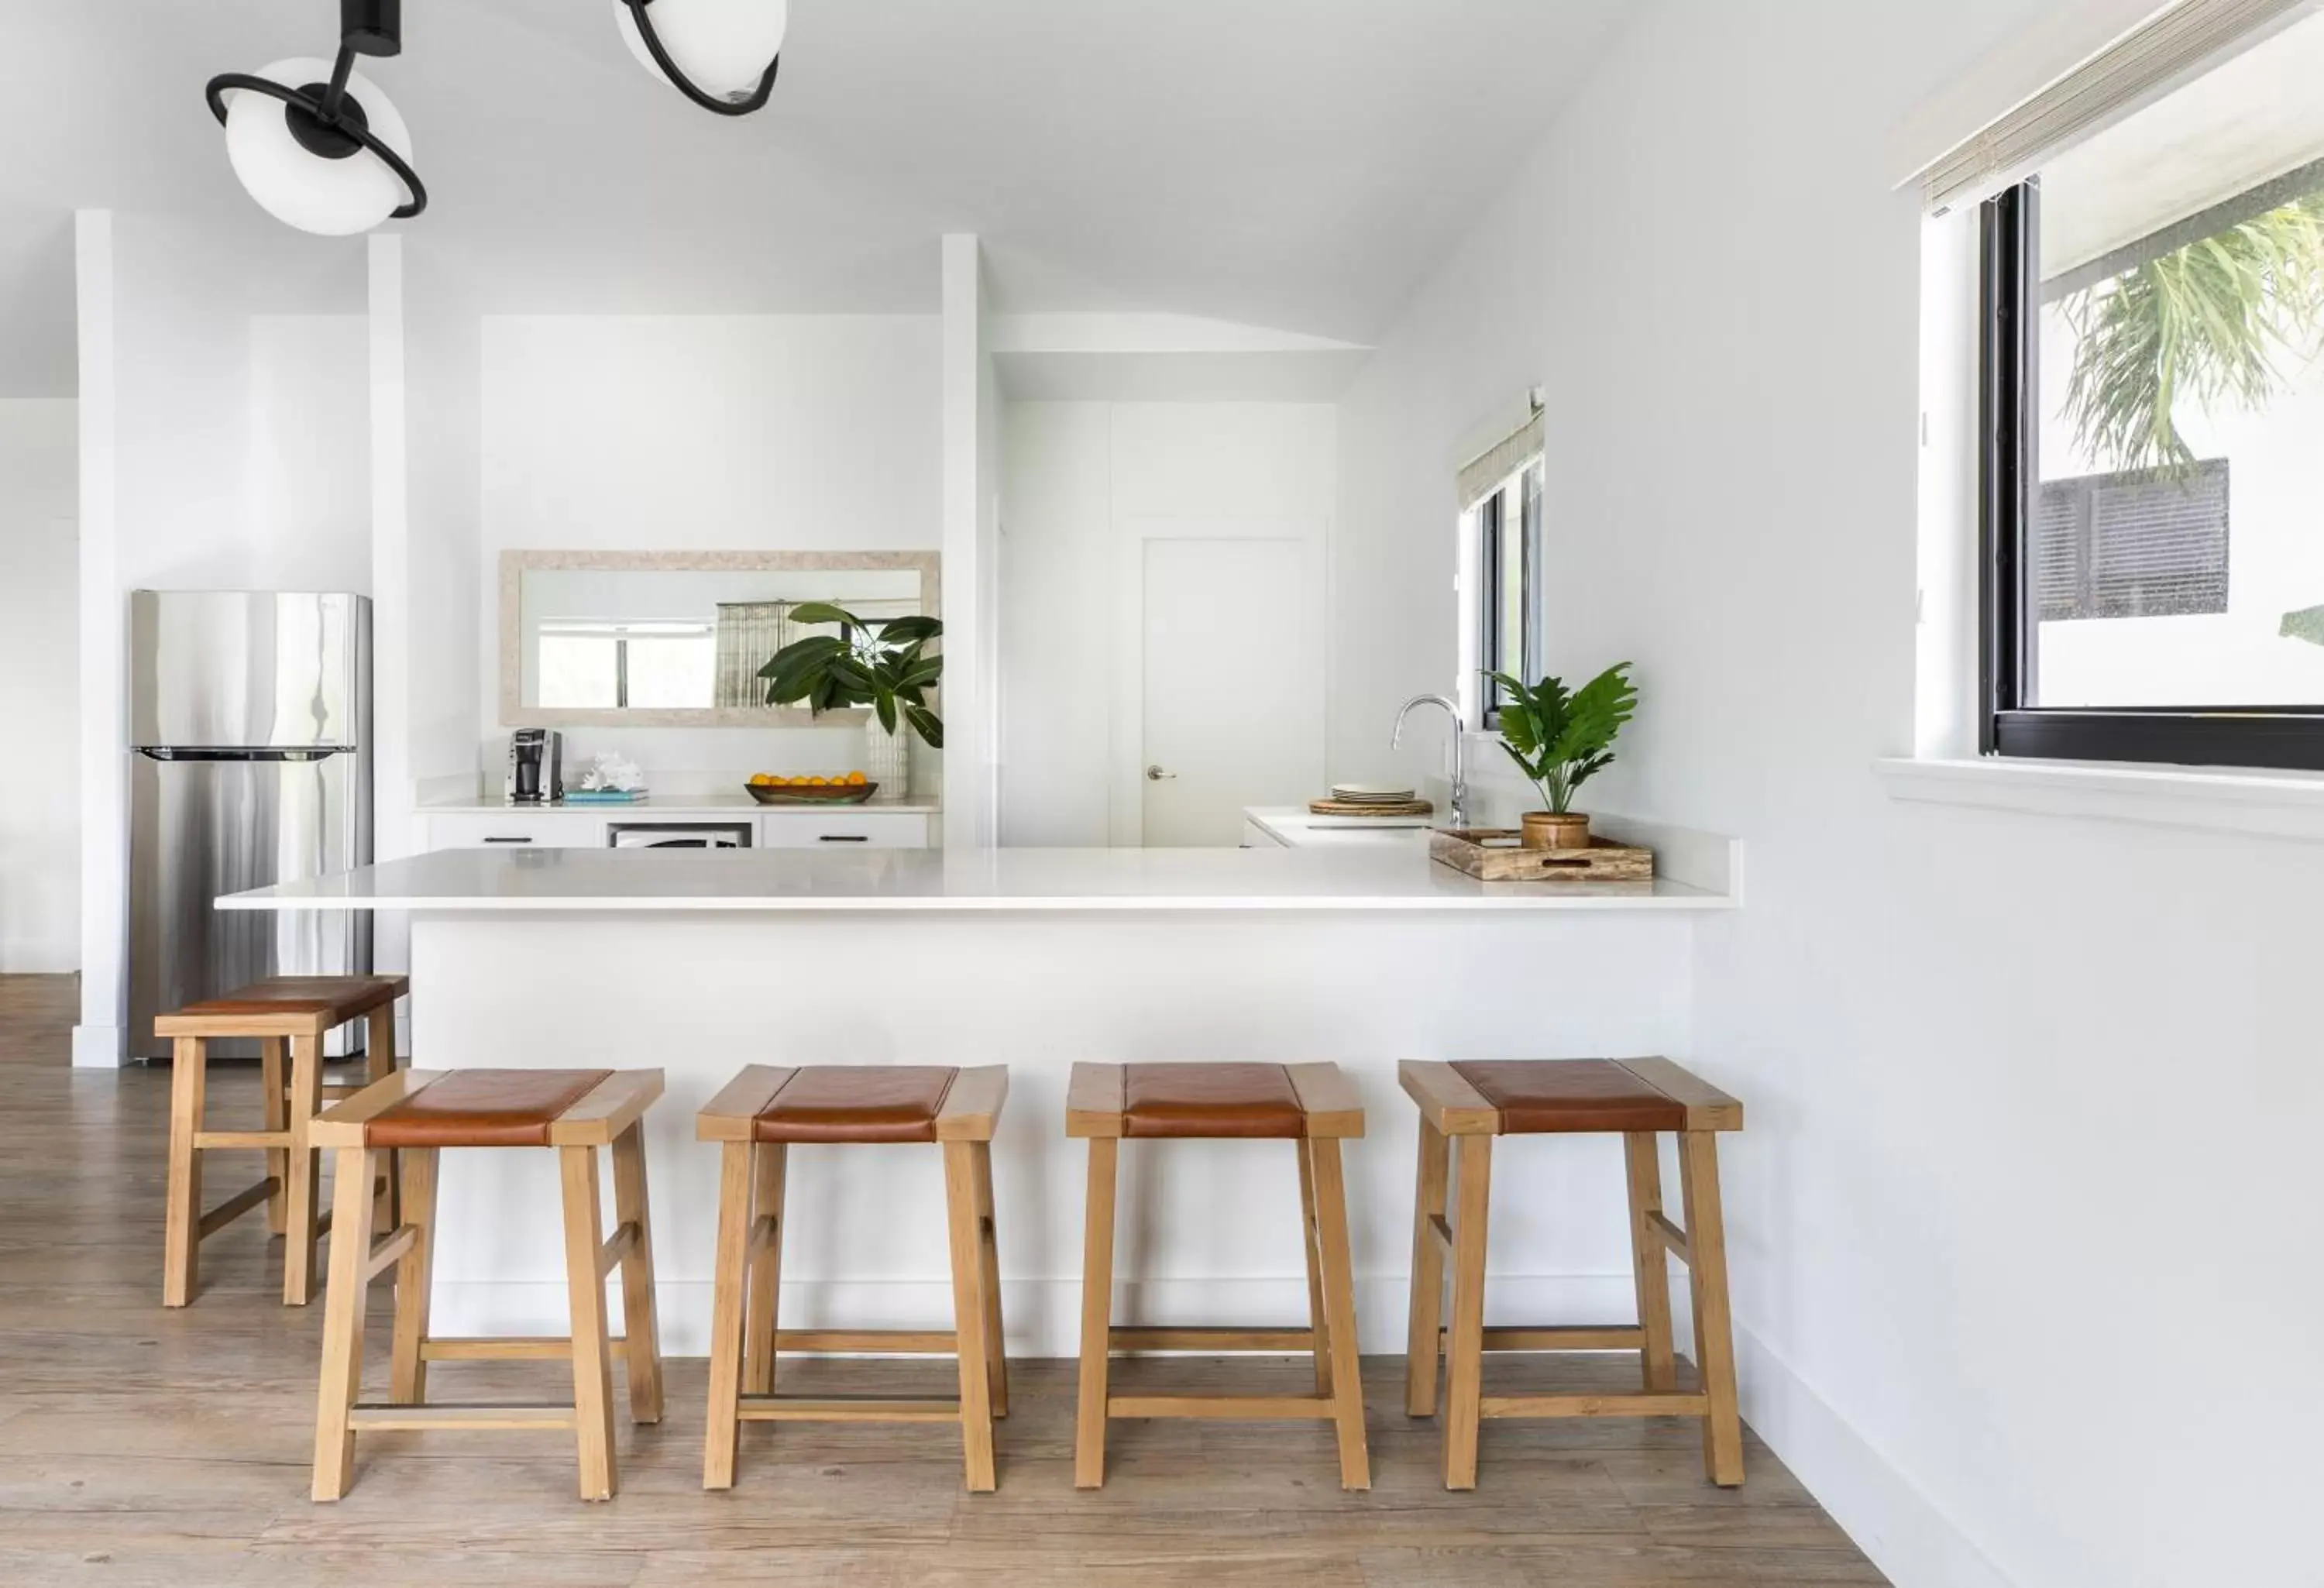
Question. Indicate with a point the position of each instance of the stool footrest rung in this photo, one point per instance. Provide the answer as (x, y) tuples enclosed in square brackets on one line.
[(1246, 1407), (619, 1245), (1669, 1404), (503, 1347), (903, 1342), (1614, 1337), (385, 1253), (234, 1206), (371, 1417), (1125, 1338), (241, 1140), (844, 1409)]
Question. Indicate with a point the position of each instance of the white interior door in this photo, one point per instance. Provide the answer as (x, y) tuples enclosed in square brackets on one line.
[(1232, 694)]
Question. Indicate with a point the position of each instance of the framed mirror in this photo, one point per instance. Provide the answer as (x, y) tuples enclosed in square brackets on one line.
[(675, 639)]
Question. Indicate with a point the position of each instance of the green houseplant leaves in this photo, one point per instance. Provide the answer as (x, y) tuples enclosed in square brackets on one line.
[(879, 663), (1559, 739)]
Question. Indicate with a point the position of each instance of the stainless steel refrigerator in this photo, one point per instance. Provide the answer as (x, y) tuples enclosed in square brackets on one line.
[(250, 716)]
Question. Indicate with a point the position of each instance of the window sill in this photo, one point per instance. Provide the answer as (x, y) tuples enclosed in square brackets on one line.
[(2264, 804)]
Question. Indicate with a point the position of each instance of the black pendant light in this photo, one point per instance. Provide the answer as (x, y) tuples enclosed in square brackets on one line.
[(721, 54), (330, 156)]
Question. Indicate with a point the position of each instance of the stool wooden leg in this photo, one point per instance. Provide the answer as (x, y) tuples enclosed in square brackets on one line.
[(1318, 1328), (181, 1229), (299, 1212), (274, 1114), (641, 1347), (1097, 1314), (1422, 1348), (726, 1321), (593, 1370), (770, 1163), (379, 1063), (343, 1324), (1340, 1307), (414, 1276), (1643, 1161), (996, 1340), (968, 1313), (1465, 1378), (1714, 1338)]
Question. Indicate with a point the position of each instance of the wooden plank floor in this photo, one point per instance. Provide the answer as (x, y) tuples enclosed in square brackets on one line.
[(142, 1447)]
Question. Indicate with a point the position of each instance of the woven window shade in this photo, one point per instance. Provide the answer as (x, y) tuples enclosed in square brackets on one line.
[(1482, 475), (2128, 73)]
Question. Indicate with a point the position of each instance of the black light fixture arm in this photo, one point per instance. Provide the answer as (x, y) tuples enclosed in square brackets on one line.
[(757, 99), (326, 121)]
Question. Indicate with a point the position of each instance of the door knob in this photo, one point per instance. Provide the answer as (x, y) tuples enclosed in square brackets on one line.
[(1155, 774)]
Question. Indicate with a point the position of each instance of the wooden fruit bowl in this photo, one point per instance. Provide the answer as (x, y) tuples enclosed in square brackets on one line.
[(811, 794)]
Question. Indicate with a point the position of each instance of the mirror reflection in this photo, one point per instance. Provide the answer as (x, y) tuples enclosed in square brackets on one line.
[(679, 638)]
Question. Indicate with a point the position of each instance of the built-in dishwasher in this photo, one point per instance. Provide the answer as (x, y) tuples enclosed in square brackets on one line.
[(677, 835)]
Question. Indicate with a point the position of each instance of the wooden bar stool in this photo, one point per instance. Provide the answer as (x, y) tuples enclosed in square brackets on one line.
[(1637, 1097), (418, 1112), (293, 1011), (761, 1112), (1312, 1104)]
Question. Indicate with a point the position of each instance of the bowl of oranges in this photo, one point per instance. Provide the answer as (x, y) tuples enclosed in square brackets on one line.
[(822, 788)]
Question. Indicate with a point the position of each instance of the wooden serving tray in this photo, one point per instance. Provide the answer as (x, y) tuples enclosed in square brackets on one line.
[(1496, 856), (1407, 809)]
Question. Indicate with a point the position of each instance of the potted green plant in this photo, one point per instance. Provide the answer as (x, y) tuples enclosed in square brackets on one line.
[(879, 663), (1559, 739)]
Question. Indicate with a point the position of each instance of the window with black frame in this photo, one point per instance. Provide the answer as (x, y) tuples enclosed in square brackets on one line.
[(2152, 383), (1507, 527)]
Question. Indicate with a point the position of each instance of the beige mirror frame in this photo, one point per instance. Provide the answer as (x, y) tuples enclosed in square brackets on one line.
[(515, 713)]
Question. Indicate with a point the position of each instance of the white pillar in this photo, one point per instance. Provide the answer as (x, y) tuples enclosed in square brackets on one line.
[(99, 1041)]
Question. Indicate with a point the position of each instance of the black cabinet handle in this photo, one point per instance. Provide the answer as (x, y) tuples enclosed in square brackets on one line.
[(508, 840), (843, 838)]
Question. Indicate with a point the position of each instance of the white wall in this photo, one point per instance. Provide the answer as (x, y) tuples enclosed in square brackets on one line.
[(2018, 1237), (40, 800), (1076, 476), (807, 432)]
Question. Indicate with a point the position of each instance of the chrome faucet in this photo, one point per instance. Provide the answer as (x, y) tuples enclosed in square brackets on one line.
[(1460, 752)]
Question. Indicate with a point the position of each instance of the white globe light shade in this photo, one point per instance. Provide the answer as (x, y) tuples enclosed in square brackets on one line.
[(331, 197), (722, 46)]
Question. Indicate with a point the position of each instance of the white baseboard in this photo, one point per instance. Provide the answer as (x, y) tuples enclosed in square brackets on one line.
[(99, 1047), (1043, 1315), (1900, 1527), (39, 956)]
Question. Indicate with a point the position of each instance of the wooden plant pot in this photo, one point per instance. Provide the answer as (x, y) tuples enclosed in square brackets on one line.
[(1546, 830)]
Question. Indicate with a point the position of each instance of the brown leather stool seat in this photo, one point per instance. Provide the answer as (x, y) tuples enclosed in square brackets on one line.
[(483, 1108), (839, 1103), (333, 1001), (414, 1115), (289, 1017), (757, 1119), (1536, 1096), (1469, 1103), (1211, 1100), (1311, 1105)]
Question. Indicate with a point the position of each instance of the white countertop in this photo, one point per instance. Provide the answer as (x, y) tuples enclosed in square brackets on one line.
[(676, 805), (922, 880)]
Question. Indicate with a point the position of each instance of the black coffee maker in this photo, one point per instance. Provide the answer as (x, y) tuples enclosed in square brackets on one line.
[(536, 771)]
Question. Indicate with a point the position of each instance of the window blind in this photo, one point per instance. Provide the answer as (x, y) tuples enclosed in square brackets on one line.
[(2134, 69), (1482, 475)]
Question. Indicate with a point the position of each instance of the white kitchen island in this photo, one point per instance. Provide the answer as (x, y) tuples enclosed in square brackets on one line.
[(701, 962)]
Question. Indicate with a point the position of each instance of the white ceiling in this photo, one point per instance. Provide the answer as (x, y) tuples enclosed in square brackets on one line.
[(1292, 163)]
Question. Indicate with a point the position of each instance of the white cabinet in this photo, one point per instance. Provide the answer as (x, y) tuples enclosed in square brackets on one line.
[(837, 829), (517, 829)]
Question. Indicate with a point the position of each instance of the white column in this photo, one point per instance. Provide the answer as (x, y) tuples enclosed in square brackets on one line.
[(971, 550), (98, 1040)]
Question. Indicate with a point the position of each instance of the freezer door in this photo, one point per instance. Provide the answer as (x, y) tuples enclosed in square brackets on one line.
[(226, 669), (202, 826)]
